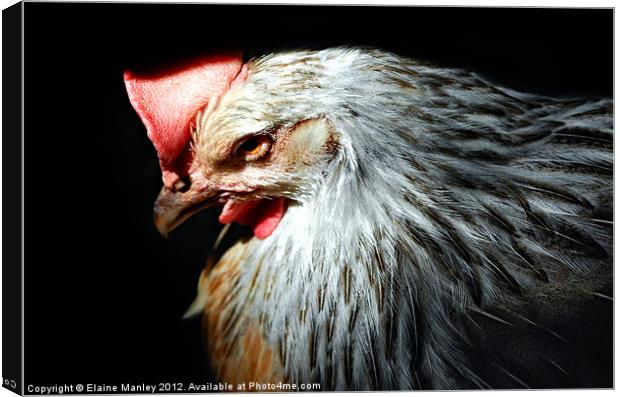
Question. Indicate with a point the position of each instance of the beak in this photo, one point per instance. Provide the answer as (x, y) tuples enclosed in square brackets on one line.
[(173, 207)]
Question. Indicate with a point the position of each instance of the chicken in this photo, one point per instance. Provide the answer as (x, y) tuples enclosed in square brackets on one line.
[(414, 226)]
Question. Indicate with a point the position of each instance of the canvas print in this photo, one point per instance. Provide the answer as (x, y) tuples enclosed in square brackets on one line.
[(316, 198)]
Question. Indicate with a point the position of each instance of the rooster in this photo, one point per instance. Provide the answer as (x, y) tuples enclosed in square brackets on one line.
[(413, 226)]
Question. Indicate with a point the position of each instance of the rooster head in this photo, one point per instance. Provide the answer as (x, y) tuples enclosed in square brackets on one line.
[(227, 134)]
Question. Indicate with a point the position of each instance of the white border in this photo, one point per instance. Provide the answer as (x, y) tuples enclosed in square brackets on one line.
[(480, 3)]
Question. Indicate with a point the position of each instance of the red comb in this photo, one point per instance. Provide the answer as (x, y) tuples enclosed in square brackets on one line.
[(168, 101)]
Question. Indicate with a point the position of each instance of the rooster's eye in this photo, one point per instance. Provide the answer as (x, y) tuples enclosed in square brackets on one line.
[(254, 147)]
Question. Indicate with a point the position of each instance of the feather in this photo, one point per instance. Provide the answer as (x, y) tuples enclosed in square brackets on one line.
[(419, 196)]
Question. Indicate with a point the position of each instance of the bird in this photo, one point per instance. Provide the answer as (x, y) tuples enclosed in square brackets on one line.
[(410, 226)]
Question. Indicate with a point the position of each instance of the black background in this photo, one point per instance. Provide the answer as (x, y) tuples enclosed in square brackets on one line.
[(104, 292)]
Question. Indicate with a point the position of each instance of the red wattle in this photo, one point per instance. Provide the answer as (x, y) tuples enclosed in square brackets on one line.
[(263, 216), (270, 219)]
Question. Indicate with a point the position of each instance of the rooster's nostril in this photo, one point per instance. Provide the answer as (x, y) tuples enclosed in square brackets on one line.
[(182, 185)]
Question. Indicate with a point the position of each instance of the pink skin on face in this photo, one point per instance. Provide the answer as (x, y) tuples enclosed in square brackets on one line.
[(167, 103)]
